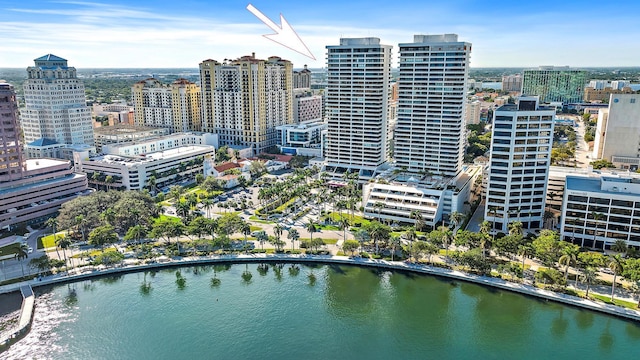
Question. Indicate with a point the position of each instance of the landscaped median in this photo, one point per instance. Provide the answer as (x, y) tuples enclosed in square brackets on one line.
[(396, 265)]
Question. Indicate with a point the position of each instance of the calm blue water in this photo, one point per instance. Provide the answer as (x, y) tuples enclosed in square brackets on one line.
[(347, 313)]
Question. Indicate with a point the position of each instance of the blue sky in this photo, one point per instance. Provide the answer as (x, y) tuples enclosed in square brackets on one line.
[(182, 33)]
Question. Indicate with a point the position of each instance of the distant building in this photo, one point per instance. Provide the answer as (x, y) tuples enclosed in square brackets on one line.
[(244, 100), (598, 84), (472, 113), (555, 84), (302, 78), (592, 94), (619, 84), (117, 113), (512, 82), (521, 141), (30, 190), (618, 132), (175, 106), (160, 143), (55, 104)]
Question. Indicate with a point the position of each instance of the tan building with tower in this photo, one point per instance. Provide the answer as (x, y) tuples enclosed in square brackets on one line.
[(175, 106), (244, 100)]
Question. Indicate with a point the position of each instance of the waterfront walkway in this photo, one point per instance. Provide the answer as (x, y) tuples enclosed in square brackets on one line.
[(24, 322), (391, 265)]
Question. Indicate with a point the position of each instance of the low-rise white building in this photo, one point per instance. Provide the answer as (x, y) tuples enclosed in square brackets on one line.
[(302, 139), (161, 143), (600, 209), (132, 172), (122, 133), (434, 197)]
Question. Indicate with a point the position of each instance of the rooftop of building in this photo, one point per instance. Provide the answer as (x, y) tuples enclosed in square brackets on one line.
[(49, 182), (150, 157), (121, 129), (50, 57), (43, 142), (594, 184), (37, 164), (155, 138), (226, 166), (304, 125)]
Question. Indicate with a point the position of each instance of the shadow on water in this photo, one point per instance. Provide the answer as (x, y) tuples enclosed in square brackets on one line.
[(559, 325), (584, 319), (336, 268), (633, 330), (606, 339), (71, 298), (110, 279)]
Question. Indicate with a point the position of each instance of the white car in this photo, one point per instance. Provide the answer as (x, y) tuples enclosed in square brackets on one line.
[(29, 250)]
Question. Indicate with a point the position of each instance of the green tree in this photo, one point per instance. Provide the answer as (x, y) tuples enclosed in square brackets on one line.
[(64, 243), (311, 228), (589, 275), (616, 264), (350, 246), (293, 236), (103, 235), (631, 272), (569, 257), (547, 247), (136, 233)]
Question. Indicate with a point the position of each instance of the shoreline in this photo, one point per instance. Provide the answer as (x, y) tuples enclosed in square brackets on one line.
[(528, 290)]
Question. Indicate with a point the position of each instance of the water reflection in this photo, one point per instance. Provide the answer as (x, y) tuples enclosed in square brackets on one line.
[(559, 325), (584, 319), (351, 290)]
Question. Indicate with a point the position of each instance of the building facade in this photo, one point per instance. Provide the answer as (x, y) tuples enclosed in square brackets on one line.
[(244, 100), (306, 106), (55, 104), (555, 84), (12, 163), (117, 134), (302, 79), (132, 172), (593, 94), (302, 139), (175, 107), (618, 131), (512, 82), (600, 209), (357, 104), (521, 141), (430, 129)]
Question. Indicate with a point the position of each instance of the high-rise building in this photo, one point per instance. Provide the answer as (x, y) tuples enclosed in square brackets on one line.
[(618, 132), (555, 84), (302, 79), (55, 104), (520, 157), (245, 99), (175, 107), (472, 113), (357, 102), (30, 190), (512, 82), (429, 132), (12, 163)]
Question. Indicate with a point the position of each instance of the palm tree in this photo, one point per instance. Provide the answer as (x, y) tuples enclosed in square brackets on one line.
[(378, 206), (53, 224), (493, 210), (311, 228), (208, 204), (23, 253), (588, 276), (515, 228), (485, 228), (456, 218), (596, 217), (569, 257), (417, 216), (525, 250), (293, 235), (615, 264), (64, 243), (344, 225), (446, 239), (108, 181), (620, 246), (394, 242), (245, 228), (277, 231)]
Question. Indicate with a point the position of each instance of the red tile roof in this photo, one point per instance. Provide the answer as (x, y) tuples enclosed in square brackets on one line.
[(226, 166)]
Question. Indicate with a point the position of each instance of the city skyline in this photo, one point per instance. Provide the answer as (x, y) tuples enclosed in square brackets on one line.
[(183, 34)]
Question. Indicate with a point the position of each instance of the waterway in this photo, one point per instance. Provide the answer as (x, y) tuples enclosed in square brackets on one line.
[(314, 312)]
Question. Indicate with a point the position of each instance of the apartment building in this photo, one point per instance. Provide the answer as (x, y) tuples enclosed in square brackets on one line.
[(555, 84)]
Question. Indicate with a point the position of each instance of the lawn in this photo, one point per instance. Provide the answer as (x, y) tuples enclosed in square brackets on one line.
[(327, 227), (353, 220), (167, 217), (49, 241), (607, 299), (10, 249), (258, 220), (94, 253), (255, 228), (326, 241)]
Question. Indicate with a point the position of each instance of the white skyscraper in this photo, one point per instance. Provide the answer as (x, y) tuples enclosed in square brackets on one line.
[(55, 102), (519, 164), (429, 133), (357, 102)]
